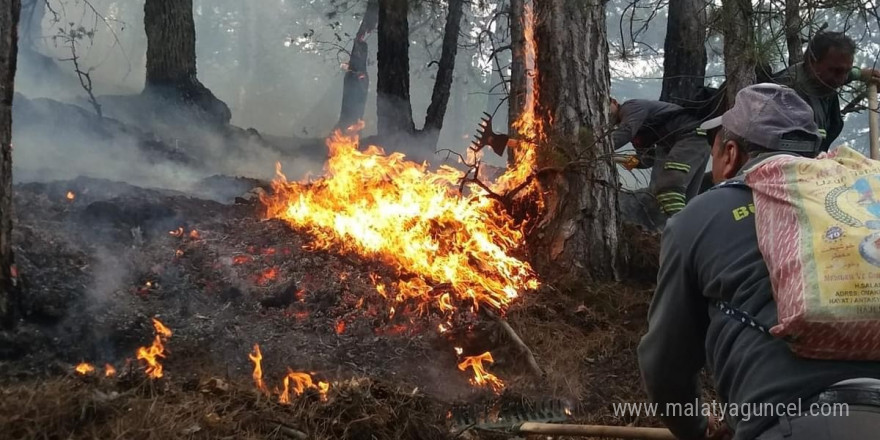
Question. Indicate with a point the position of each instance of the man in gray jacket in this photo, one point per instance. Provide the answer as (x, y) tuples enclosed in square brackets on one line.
[(709, 257), (827, 66), (664, 136)]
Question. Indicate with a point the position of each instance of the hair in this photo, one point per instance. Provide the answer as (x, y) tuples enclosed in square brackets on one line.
[(750, 149), (823, 41)]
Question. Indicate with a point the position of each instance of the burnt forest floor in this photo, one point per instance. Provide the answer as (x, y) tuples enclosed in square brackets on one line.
[(97, 268)]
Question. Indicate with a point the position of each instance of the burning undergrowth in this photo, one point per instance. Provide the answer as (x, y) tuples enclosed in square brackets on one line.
[(214, 408)]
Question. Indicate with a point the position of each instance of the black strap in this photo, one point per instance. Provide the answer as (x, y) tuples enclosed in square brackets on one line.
[(741, 316)]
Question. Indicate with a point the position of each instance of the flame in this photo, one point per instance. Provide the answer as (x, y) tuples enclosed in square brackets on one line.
[(323, 387), (177, 233), (481, 377), (194, 234), (301, 381), (385, 207), (149, 354), (240, 259), (71, 195), (109, 370), (257, 359), (178, 253), (84, 368), (340, 327), (529, 127)]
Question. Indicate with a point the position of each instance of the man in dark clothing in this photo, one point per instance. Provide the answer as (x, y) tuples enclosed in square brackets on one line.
[(709, 253), (827, 66), (664, 136)]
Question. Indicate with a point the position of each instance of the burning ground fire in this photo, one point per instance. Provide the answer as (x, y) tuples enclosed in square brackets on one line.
[(301, 381), (419, 221), (148, 354)]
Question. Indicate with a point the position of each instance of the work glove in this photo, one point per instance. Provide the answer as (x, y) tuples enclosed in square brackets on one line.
[(630, 162)]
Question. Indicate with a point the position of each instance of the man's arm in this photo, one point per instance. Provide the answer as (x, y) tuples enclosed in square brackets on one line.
[(633, 114), (672, 353)]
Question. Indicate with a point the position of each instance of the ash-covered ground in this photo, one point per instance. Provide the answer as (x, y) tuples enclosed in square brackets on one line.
[(99, 259)]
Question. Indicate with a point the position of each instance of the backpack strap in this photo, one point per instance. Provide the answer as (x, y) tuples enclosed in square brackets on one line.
[(725, 308)]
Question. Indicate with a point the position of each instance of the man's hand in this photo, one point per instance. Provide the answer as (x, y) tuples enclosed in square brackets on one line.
[(870, 75), (718, 430)]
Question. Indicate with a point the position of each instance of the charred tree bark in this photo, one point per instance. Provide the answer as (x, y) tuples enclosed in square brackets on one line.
[(793, 26), (739, 47), (577, 239), (684, 51), (445, 69), (356, 84), (393, 107), (171, 59), (9, 17)]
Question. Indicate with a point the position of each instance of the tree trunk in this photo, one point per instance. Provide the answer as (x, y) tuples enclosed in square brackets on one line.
[(356, 84), (445, 69), (739, 47), (684, 51), (519, 64), (577, 239), (793, 26), (171, 58), (518, 84), (393, 107), (9, 17)]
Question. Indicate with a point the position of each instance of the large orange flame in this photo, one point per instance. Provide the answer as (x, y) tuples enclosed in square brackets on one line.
[(386, 207), (481, 377), (257, 359), (157, 350)]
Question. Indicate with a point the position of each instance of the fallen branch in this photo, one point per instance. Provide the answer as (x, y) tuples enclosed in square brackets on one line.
[(517, 341)]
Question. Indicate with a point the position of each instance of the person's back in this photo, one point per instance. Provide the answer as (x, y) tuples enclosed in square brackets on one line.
[(749, 367), (714, 301)]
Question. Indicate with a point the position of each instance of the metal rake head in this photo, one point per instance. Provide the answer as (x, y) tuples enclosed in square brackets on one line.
[(485, 136), (508, 415)]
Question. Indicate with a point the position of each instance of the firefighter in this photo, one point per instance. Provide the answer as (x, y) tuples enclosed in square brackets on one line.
[(665, 137)]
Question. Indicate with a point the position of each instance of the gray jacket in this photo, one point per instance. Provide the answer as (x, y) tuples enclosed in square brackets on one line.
[(709, 251), (645, 123)]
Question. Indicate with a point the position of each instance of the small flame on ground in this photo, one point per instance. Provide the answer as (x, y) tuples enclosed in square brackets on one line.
[(178, 253), (177, 233), (458, 351), (84, 368), (240, 259), (109, 370), (257, 359), (194, 234), (481, 377), (323, 387), (301, 381), (157, 350), (340, 327), (71, 195), (267, 275)]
